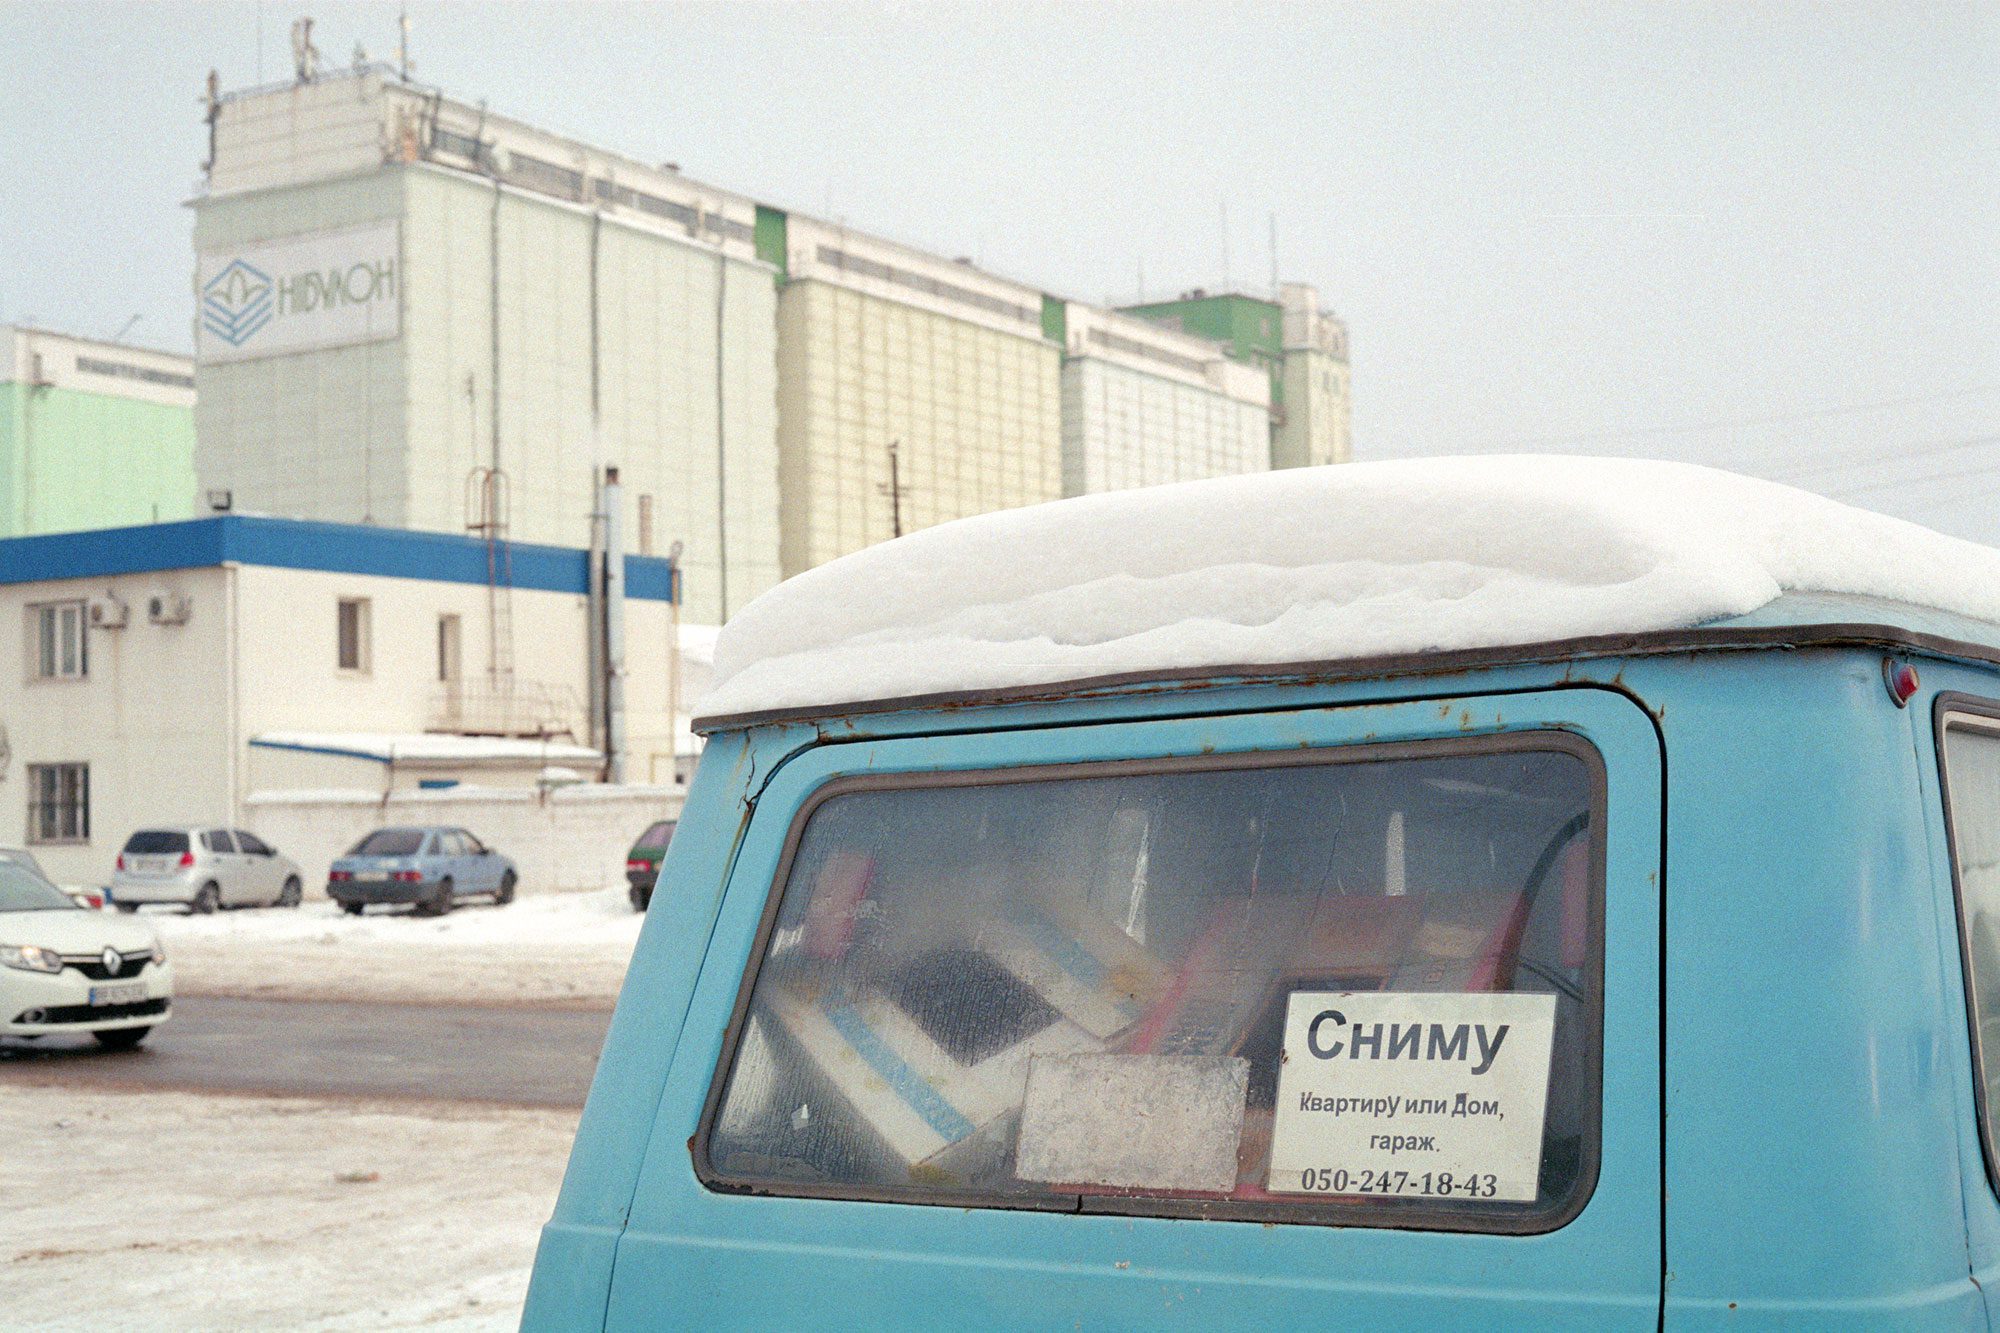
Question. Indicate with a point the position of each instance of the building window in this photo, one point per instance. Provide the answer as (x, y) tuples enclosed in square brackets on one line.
[(58, 802), (353, 634), (126, 370), (450, 655), (645, 525), (62, 651)]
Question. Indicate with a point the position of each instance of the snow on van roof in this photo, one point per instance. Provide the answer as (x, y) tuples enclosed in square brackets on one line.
[(1319, 564)]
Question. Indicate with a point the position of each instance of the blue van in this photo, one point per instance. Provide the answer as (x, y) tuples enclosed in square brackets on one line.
[(1629, 977)]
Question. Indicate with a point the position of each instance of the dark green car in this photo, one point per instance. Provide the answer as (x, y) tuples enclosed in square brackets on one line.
[(642, 863)]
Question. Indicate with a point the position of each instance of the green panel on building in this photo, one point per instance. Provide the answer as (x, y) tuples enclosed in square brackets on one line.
[(1055, 319), (770, 239), (71, 460), (1252, 330)]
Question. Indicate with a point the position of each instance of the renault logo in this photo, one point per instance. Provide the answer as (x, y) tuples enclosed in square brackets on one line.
[(112, 959)]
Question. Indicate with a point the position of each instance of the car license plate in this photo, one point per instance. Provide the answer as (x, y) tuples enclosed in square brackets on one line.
[(372, 876), (129, 993)]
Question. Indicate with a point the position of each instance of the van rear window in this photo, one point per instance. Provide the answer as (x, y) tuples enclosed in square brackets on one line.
[(1357, 986), (154, 842)]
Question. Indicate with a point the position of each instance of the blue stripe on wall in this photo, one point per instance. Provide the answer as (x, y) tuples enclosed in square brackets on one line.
[(337, 548)]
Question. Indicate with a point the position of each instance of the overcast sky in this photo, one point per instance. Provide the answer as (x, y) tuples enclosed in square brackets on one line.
[(1766, 236)]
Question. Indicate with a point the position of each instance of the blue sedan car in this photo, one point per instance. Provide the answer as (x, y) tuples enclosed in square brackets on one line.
[(430, 867)]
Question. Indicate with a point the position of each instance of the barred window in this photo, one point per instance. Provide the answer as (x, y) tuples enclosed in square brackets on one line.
[(58, 802)]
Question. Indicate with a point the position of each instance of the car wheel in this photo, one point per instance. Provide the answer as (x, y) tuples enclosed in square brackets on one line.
[(506, 894), (207, 900), (640, 897), (353, 909), (289, 895), (121, 1039), (126, 908), (439, 902)]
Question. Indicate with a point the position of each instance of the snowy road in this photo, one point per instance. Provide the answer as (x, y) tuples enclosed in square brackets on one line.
[(168, 1210), (523, 1057)]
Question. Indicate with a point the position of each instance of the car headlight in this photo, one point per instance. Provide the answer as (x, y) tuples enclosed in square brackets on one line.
[(30, 958)]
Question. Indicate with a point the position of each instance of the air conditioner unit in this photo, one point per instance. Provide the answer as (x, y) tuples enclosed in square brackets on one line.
[(108, 613), (168, 608)]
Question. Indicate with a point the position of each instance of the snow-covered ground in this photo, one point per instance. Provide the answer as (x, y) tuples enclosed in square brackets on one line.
[(559, 949), (171, 1211)]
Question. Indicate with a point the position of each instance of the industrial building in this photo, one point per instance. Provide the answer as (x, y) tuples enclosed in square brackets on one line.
[(882, 347), (93, 434), (401, 295), (1143, 405), (415, 313), (1293, 340), (172, 671)]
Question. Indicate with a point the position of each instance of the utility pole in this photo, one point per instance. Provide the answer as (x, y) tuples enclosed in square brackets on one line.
[(894, 489)]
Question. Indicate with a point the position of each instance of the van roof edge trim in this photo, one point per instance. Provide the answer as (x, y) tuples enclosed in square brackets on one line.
[(1714, 638)]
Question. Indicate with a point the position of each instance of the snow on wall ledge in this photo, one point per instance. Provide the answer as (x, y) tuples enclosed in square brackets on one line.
[(1319, 564)]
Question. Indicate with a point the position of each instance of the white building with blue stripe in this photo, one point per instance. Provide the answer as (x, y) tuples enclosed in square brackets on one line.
[(171, 671)]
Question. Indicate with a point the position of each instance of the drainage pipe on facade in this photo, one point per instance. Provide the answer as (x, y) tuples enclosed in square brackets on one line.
[(614, 628)]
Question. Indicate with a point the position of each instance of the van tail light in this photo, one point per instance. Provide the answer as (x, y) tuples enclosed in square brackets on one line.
[(1901, 678), (121, 860), (409, 876), (187, 860)]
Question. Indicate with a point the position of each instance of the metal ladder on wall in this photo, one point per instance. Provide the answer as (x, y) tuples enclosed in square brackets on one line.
[(487, 501)]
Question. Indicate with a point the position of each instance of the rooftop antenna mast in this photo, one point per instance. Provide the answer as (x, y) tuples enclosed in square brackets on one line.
[(1225, 245), (305, 56), (403, 42)]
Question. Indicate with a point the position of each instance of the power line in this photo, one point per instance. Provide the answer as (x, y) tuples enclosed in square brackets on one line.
[(1734, 423), (1904, 455), (1927, 478)]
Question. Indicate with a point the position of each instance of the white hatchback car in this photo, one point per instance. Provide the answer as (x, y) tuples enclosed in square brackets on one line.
[(67, 969), (203, 868)]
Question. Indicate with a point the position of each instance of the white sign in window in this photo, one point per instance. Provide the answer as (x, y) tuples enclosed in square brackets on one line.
[(325, 289), (1424, 1096)]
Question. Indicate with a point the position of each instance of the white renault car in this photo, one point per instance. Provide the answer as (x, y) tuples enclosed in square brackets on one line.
[(203, 868), (65, 968)]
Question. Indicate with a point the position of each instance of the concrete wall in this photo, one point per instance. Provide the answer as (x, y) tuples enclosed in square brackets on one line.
[(570, 839), (1124, 427), (151, 718), (1314, 380), (309, 434), (976, 413), (291, 680)]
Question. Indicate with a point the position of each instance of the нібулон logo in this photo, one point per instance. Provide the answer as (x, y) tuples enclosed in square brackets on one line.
[(236, 302)]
